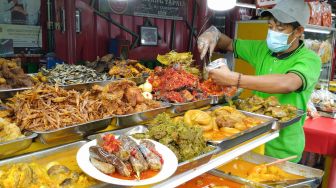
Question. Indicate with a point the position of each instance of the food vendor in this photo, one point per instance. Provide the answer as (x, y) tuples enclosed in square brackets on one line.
[(285, 68)]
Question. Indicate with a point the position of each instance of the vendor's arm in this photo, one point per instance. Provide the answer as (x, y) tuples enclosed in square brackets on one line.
[(273, 83)]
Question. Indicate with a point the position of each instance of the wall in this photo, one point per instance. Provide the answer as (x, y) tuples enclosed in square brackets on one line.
[(92, 41)]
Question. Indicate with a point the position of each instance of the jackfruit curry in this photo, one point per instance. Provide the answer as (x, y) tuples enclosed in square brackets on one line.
[(257, 173)]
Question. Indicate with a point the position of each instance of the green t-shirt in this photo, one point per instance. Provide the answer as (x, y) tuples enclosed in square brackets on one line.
[(303, 62)]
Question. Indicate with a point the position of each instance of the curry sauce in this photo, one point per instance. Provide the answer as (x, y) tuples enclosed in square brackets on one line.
[(257, 173)]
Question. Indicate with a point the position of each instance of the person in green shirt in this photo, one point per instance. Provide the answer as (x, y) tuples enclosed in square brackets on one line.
[(285, 68)]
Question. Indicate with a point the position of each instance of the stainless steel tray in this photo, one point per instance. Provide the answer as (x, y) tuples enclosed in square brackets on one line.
[(313, 176), (8, 93), (180, 108), (221, 99), (13, 146), (86, 86), (182, 167), (297, 118), (234, 140), (141, 117), (73, 133), (42, 155), (137, 80), (197, 161)]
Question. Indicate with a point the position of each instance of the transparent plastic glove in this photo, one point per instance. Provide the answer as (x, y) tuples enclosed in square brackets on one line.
[(208, 41)]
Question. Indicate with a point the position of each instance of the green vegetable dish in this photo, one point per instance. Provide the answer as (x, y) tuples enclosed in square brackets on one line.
[(185, 141)]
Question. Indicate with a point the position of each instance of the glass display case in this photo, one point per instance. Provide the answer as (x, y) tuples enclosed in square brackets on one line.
[(321, 40)]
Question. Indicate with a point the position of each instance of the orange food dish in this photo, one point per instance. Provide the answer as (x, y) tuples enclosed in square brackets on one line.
[(257, 173), (211, 88), (220, 123), (209, 180)]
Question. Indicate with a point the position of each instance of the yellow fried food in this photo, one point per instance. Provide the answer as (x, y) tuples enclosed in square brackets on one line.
[(33, 175), (9, 131), (198, 118)]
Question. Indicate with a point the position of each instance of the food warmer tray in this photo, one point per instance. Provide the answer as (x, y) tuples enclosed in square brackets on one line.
[(13, 146), (41, 155), (140, 117), (180, 108), (86, 86), (8, 93), (221, 99), (74, 132), (137, 80), (297, 118), (183, 166), (313, 177), (243, 136), (324, 113)]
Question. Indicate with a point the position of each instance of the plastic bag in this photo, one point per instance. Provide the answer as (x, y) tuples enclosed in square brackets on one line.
[(324, 100), (315, 13), (312, 112)]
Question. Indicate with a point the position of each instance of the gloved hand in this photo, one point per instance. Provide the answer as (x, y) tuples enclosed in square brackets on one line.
[(208, 41)]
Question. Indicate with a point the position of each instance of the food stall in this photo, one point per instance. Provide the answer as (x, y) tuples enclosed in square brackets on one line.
[(132, 106)]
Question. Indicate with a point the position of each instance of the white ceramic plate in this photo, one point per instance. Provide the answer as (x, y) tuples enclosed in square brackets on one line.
[(168, 168)]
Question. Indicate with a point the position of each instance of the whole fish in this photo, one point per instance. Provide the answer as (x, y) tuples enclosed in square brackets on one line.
[(106, 168), (137, 160), (100, 154), (153, 158)]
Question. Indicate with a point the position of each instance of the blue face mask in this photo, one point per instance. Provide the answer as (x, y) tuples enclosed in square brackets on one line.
[(277, 41)]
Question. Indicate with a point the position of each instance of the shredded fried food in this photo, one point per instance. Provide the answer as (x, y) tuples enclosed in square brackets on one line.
[(48, 107)]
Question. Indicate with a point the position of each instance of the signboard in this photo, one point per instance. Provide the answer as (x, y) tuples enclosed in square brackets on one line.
[(22, 35), (165, 9)]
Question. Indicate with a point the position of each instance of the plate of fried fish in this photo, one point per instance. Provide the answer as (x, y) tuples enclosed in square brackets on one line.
[(123, 160)]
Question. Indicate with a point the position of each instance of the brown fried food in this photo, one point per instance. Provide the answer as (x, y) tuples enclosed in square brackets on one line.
[(48, 107), (123, 97), (12, 75)]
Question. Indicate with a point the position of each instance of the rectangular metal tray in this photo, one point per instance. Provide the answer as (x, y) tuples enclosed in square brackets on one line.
[(221, 99), (86, 86), (243, 136), (74, 132), (137, 80), (42, 155), (314, 176), (141, 117), (183, 166), (8, 93), (5, 94), (13, 146), (297, 118), (180, 108)]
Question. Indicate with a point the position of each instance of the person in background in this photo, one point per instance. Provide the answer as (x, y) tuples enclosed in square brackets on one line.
[(5, 11), (32, 8), (285, 68)]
